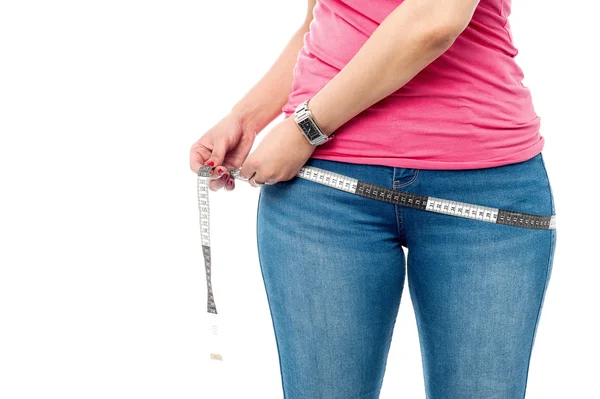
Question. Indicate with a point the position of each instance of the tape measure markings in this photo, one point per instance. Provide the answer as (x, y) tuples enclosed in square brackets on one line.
[(428, 203), (204, 210)]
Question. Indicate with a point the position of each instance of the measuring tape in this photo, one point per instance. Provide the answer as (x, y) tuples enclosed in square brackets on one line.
[(364, 189)]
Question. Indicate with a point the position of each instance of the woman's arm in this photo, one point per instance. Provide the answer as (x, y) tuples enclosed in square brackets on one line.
[(264, 101), (408, 39)]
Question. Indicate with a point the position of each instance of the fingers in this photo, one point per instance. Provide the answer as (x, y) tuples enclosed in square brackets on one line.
[(221, 182), (230, 184), (218, 153), (198, 153), (255, 181), (220, 179), (219, 176), (247, 172), (250, 172)]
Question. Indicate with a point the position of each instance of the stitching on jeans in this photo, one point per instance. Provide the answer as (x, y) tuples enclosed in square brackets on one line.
[(400, 185), (398, 228)]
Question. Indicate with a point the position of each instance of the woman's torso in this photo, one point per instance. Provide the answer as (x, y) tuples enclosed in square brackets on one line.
[(467, 109)]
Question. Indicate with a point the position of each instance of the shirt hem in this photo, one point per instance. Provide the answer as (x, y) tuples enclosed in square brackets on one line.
[(432, 164)]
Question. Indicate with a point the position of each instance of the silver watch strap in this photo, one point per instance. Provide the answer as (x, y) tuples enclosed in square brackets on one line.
[(303, 113)]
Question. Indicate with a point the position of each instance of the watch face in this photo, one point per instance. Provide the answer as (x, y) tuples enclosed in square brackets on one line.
[(309, 129)]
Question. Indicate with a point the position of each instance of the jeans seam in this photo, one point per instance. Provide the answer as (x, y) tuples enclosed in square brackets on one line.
[(398, 223)]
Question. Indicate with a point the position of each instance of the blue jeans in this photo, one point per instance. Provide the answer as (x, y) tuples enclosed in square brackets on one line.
[(333, 266)]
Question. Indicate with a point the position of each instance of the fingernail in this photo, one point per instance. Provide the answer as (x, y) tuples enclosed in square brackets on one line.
[(230, 182), (210, 163), (224, 177), (221, 169)]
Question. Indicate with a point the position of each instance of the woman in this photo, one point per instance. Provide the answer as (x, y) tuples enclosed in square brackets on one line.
[(424, 96)]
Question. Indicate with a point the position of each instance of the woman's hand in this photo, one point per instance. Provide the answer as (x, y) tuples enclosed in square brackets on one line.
[(279, 156), (226, 144)]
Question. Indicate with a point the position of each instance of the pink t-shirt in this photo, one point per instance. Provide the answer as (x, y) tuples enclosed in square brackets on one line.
[(468, 109)]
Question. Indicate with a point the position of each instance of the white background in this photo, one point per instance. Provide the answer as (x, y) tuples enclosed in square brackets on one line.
[(102, 289)]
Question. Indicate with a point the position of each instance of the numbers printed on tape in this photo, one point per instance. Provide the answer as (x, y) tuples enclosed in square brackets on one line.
[(431, 204)]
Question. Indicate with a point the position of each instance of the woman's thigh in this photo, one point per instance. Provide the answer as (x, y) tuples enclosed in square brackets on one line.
[(333, 271), (477, 287)]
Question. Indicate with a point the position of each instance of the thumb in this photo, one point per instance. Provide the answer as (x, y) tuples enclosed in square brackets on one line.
[(218, 153)]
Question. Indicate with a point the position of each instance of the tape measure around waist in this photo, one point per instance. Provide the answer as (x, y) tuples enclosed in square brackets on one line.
[(364, 189)]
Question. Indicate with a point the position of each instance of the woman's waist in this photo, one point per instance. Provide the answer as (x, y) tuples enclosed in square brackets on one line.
[(449, 135), (426, 108)]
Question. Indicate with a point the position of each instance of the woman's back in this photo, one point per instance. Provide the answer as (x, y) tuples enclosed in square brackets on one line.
[(468, 109)]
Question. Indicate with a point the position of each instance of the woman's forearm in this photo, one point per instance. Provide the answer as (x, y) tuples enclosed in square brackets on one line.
[(265, 99), (409, 39)]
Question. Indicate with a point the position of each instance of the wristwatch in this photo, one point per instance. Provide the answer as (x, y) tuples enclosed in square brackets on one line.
[(308, 126)]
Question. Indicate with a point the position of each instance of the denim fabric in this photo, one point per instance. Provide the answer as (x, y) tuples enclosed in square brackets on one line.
[(334, 266)]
